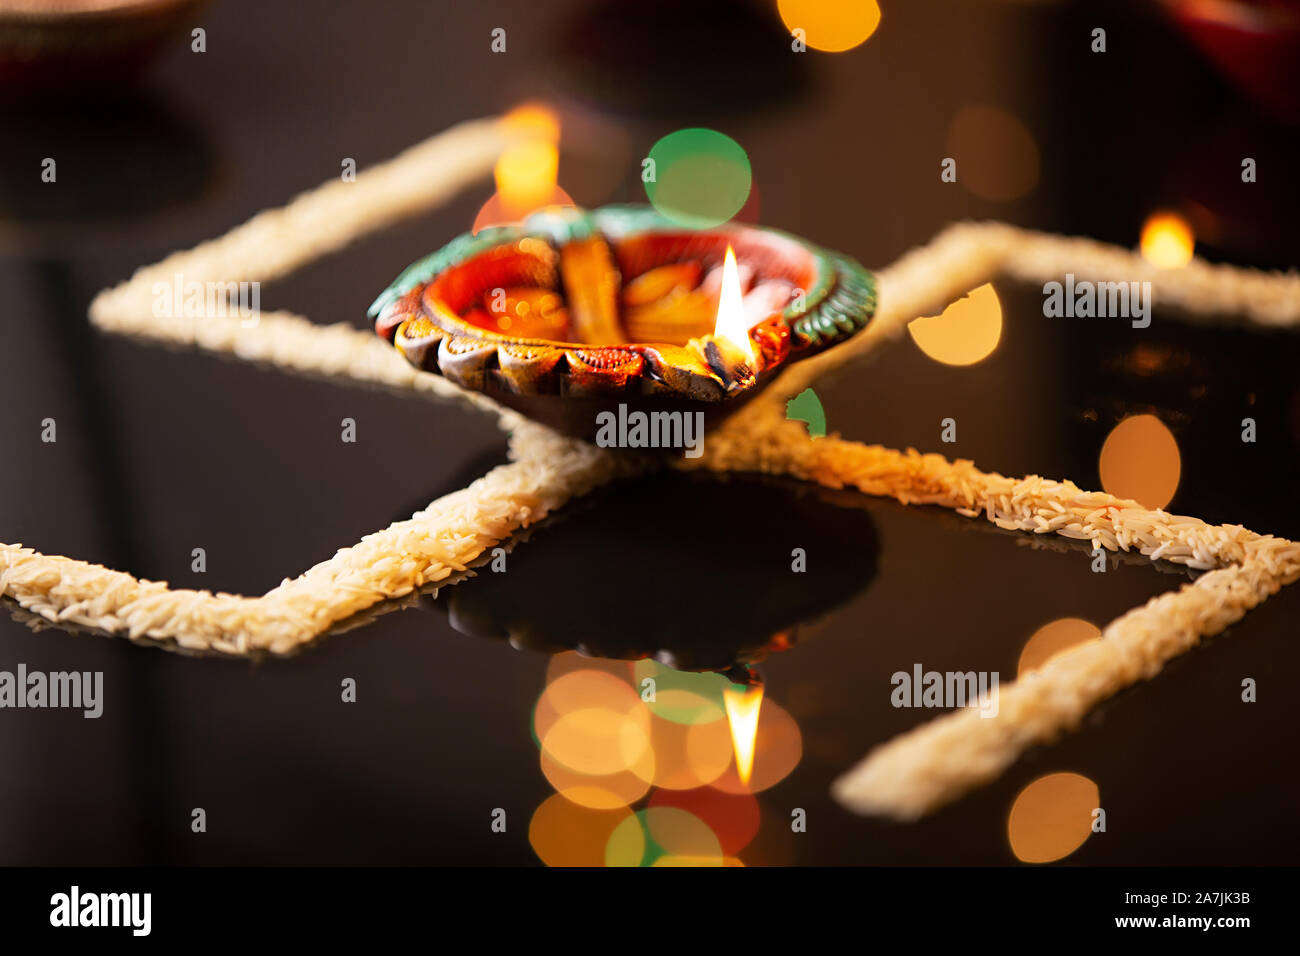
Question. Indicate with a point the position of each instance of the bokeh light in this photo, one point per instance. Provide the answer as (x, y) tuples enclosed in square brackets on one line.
[(997, 158), (600, 791), (965, 333), (733, 817), (663, 836), (1140, 460), (562, 833), (831, 26), (597, 740), (683, 697), (616, 735), (1052, 817), (701, 177), (626, 844), (1052, 638), (688, 755), (1167, 240)]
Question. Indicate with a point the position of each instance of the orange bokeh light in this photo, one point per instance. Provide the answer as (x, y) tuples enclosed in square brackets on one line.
[(1053, 638), (996, 154), (562, 833), (831, 26), (1167, 240), (1140, 460), (1052, 817)]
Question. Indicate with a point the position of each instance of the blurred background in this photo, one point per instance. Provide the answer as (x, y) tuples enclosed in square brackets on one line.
[(160, 146)]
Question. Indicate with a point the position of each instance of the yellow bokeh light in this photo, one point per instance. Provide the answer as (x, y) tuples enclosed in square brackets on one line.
[(1167, 240), (626, 843), (965, 333), (597, 740), (686, 755), (681, 834), (1140, 460), (1052, 817), (1053, 638), (600, 791), (831, 26), (589, 687)]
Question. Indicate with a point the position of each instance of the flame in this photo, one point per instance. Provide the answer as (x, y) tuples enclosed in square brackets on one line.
[(534, 120), (732, 324), (1167, 241), (527, 170), (742, 705), (526, 176)]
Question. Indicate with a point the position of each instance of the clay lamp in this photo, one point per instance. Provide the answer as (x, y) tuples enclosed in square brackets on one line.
[(571, 313)]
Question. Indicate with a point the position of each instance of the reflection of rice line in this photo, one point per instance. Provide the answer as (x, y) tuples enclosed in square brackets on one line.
[(925, 768)]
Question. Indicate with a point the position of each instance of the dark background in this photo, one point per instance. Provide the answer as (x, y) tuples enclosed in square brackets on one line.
[(161, 452)]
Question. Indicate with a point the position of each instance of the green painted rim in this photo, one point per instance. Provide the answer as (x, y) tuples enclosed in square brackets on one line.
[(841, 303)]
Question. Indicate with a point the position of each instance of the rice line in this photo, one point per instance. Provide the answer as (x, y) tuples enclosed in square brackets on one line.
[(919, 771)]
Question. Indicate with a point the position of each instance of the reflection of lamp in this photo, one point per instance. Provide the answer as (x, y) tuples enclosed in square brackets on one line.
[(694, 571)]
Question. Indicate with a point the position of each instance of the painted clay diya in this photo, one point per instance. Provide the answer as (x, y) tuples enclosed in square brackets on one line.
[(573, 312)]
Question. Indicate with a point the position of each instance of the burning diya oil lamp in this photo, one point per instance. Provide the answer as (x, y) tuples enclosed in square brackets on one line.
[(573, 313)]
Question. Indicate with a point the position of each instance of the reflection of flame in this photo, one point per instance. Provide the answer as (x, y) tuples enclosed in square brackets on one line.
[(743, 704), (1167, 241), (733, 324)]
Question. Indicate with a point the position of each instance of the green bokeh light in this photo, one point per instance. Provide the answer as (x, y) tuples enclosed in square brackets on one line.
[(683, 697), (702, 177)]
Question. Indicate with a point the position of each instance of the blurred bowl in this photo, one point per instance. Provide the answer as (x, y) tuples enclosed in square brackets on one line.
[(83, 45), (1254, 43)]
